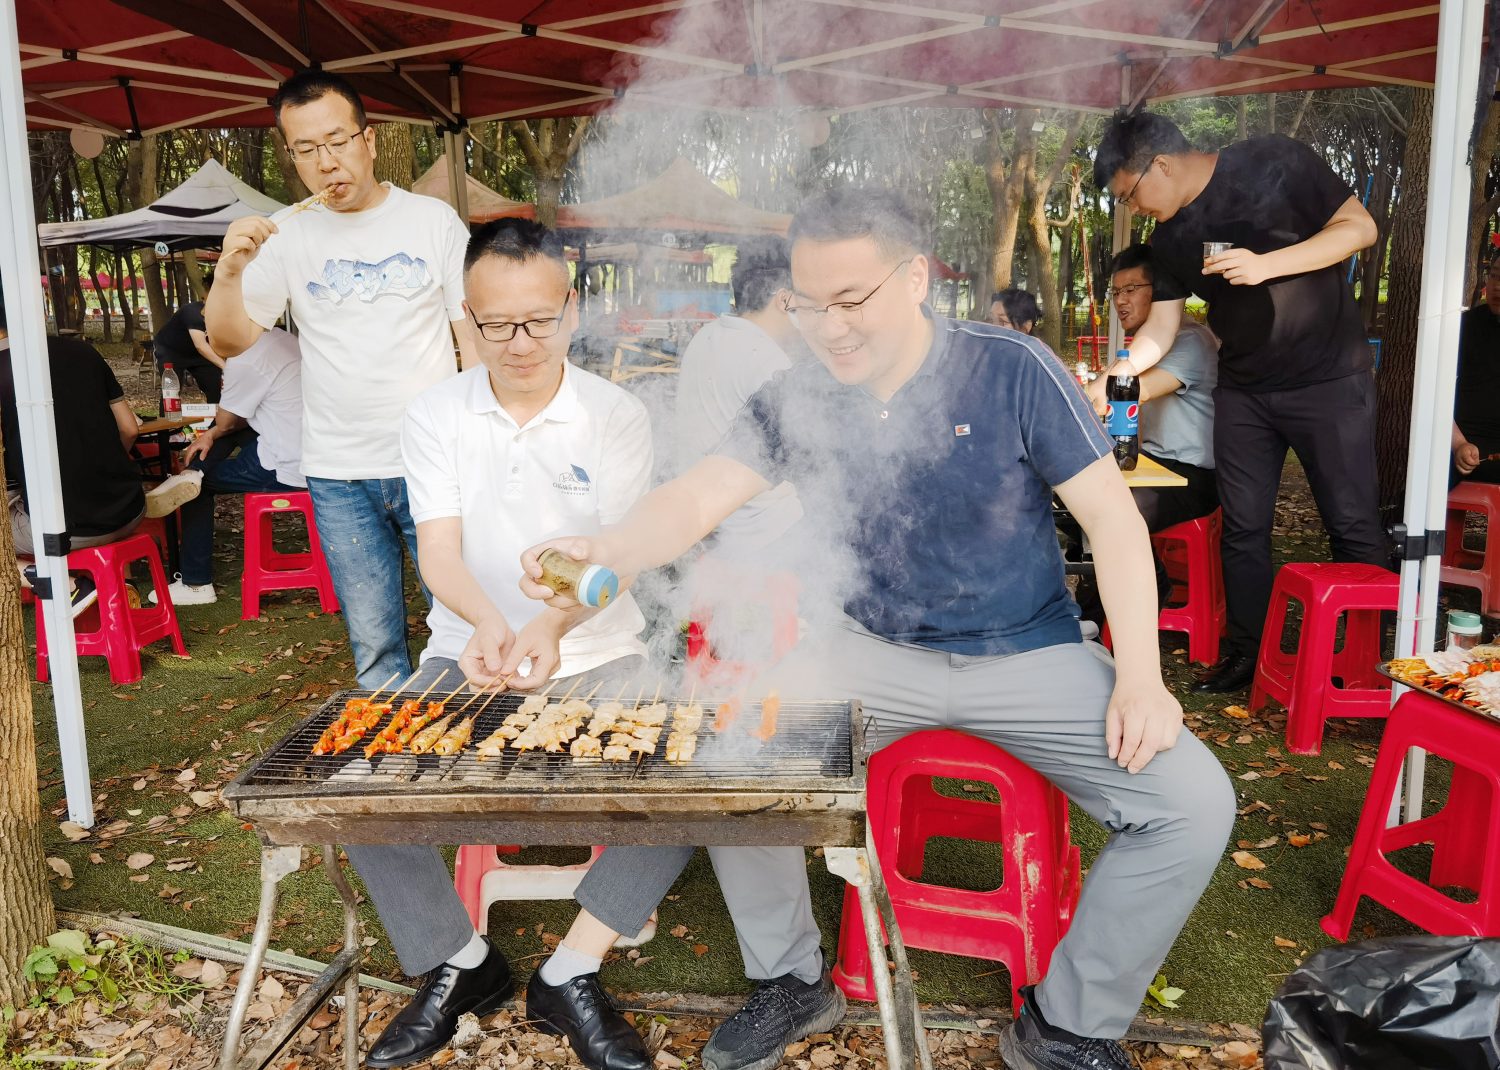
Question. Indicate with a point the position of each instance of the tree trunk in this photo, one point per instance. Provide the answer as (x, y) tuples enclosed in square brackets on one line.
[(549, 148), (25, 902), (124, 276), (254, 142), (395, 154), (295, 189), (1043, 272), (140, 188), (1399, 360), (1481, 209), (1007, 183), (193, 274)]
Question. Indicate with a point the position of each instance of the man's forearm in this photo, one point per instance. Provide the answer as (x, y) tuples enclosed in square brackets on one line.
[(659, 529), (1334, 244), (1127, 587), (229, 325), (452, 584), (1155, 337)]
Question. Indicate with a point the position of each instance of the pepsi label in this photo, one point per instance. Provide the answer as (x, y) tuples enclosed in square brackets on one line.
[(1124, 419)]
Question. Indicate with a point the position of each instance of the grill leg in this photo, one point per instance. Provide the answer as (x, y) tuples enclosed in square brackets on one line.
[(276, 863), (900, 1016)]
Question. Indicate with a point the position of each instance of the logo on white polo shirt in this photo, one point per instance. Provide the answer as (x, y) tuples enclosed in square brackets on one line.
[(960, 430), (573, 481)]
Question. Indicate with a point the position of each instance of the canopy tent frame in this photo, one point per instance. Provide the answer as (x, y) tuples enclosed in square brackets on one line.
[(72, 105)]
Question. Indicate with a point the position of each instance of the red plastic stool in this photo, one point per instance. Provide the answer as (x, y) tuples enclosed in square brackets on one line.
[(482, 879), (1018, 923), (1303, 681), (268, 570), (110, 628), (1474, 568), (774, 595), (1190, 552), (1465, 833)]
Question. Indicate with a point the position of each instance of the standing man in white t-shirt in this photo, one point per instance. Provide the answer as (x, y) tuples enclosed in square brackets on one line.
[(374, 278), (525, 445)]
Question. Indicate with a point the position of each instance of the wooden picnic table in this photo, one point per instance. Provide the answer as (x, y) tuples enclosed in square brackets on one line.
[(1147, 473)]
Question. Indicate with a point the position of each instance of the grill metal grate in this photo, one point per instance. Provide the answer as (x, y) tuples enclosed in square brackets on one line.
[(813, 745)]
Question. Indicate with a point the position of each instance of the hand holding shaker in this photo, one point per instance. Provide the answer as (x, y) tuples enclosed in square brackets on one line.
[(591, 585)]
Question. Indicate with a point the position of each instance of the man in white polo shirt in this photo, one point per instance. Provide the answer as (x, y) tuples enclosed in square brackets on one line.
[(374, 279), (525, 446)]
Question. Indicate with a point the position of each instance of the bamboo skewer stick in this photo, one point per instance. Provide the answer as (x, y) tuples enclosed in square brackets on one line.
[(430, 687), (590, 696), (317, 200), (376, 693)]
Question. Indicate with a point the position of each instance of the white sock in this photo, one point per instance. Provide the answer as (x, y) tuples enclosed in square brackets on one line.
[(566, 964), (471, 954)]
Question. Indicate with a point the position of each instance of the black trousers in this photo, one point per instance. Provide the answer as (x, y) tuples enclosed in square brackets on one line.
[(1162, 507), (1331, 428)]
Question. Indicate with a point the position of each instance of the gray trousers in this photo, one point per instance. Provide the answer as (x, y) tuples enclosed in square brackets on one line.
[(1168, 823), (410, 884)]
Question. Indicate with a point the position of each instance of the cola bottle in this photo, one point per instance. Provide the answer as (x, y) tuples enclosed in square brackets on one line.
[(1124, 421)]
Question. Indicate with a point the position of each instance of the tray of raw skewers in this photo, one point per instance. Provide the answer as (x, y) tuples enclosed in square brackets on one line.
[(474, 737), (1467, 678)]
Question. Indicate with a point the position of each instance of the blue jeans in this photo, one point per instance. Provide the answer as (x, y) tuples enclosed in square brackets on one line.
[(240, 474), (361, 523)]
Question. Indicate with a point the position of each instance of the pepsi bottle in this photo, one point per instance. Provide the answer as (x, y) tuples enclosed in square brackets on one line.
[(1124, 421)]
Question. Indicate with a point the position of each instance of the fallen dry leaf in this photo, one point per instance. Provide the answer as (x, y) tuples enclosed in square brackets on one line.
[(74, 832), (1239, 713), (60, 867), (139, 860), (1298, 839), (1246, 860), (213, 974), (1282, 941), (187, 776)]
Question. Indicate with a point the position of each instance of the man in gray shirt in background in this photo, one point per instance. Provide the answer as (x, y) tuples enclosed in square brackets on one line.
[(1177, 414), (724, 364)]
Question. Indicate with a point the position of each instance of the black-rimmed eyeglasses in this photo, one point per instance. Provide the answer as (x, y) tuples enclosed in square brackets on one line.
[(808, 318), (1129, 199), (504, 331)]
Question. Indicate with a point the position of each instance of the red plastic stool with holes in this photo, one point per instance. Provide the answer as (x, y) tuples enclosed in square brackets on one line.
[(1018, 923), (1474, 568), (110, 628), (1465, 833), (482, 879), (268, 570), (1190, 552), (774, 595), (1303, 681)]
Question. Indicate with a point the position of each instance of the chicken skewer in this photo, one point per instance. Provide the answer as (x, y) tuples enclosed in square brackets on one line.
[(317, 200)]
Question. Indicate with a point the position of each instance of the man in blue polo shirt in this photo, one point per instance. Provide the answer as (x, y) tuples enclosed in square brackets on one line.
[(929, 451)]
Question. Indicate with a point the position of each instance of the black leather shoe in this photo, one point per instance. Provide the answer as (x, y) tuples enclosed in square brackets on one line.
[(582, 1011), (1232, 673), (426, 1024)]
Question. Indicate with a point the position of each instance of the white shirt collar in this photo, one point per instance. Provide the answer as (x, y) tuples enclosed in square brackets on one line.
[(561, 409)]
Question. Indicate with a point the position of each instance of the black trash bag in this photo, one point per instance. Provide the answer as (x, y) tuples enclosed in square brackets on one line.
[(1402, 1003)]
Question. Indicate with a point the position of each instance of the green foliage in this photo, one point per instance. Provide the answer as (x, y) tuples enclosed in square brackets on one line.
[(1162, 994), (69, 967)]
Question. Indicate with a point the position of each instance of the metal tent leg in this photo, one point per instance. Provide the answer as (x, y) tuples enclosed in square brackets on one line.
[(900, 1016), (276, 863)]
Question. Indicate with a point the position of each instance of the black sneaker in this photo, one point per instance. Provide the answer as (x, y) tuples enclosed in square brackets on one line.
[(83, 595), (780, 1011), (1031, 1044)]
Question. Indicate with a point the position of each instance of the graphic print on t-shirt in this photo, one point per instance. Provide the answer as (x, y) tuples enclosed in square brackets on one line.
[(398, 275), (573, 482)]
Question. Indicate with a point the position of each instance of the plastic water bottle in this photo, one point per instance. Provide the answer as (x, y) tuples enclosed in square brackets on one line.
[(171, 392), (1124, 423)]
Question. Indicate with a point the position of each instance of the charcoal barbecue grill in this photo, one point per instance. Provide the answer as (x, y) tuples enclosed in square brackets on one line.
[(805, 786)]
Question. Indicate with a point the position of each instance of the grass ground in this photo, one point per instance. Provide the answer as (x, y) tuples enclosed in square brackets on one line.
[(159, 748)]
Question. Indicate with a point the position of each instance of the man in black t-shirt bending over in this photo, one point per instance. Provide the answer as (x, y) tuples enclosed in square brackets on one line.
[(1294, 365)]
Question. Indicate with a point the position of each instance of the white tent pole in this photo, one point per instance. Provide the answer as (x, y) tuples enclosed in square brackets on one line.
[(1460, 32), (33, 378)]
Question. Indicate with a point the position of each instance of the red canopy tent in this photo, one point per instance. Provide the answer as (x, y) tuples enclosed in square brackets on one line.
[(151, 65)]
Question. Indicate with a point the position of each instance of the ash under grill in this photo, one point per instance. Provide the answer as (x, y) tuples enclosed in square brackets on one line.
[(813, 744)]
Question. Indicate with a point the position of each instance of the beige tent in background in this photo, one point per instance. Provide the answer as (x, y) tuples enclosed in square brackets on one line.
[(484, 204)]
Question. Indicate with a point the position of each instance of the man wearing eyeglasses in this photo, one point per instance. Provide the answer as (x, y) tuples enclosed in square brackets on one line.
[(520, 448), (1177, 415), (373, 277), (926, 453), (1260, 230)]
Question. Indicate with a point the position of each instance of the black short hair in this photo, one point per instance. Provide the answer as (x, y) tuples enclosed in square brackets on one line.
[(1134, 256), (1131, 140), (516, 240), (883, 215), (761, 267), (1020, 306), (304, 87)]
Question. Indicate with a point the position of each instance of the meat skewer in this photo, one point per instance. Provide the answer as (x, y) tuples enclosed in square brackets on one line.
[(456, 738), (726, 714), (317, 200), (427, 738), (770, 707)]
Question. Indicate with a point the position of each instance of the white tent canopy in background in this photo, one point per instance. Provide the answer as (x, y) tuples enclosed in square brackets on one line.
[(1457, 77), (201, 208)]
